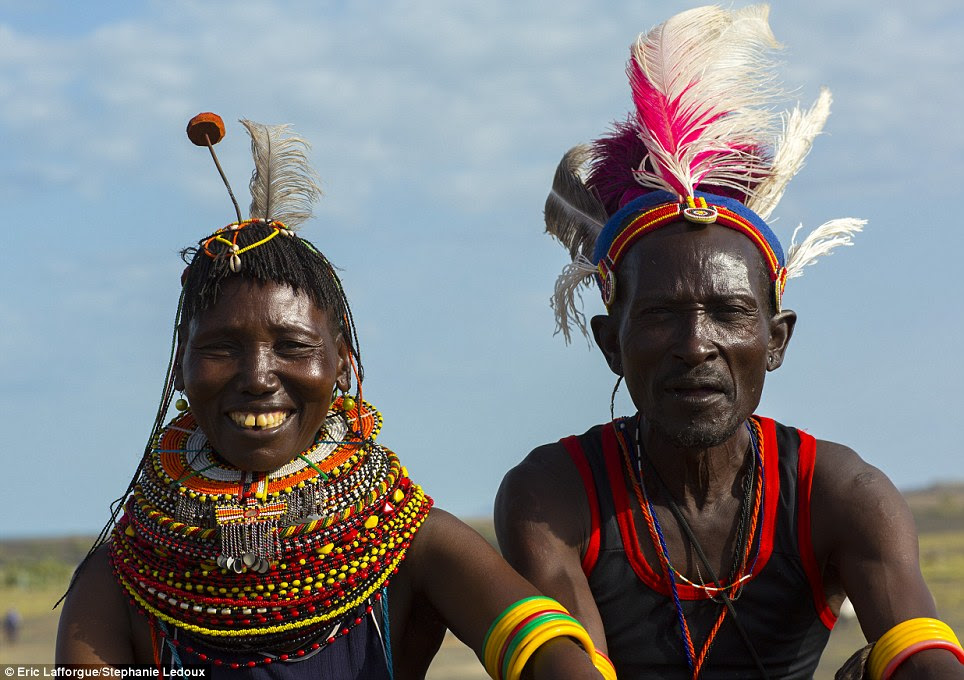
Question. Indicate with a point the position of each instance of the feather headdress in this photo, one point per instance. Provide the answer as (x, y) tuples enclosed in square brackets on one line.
[(283, 185), (703, 136)]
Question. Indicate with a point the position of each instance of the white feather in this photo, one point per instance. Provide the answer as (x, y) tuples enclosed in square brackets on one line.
[(821, 241), (799, 130), (576, 275), (573, 214), (283, 185), (715, 62)]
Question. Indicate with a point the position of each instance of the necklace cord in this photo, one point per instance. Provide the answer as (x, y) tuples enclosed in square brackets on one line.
[(684, 525)]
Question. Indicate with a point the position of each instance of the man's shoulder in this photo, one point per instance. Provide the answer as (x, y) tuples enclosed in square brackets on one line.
[(546, 481), (553, 452), (842, 479), (851, 495), (830, 456), (837, 467)]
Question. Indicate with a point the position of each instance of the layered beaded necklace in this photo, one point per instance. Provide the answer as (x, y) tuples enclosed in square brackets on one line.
[(744, 559), (250, 561)]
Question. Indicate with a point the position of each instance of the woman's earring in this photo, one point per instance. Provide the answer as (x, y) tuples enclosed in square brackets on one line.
[(347, 402), (181, 404)]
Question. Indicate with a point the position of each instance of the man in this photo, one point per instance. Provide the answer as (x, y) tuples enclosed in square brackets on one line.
[(696, 539)]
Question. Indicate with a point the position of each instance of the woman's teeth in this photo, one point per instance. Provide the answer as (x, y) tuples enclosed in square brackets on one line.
[(264, 420)]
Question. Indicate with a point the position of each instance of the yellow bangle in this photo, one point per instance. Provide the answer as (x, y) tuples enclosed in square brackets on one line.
[(506, 622), (911, 635), (902, 636), (541, 636), (604, 665)]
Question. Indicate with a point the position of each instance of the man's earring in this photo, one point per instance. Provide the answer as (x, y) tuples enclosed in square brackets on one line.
[(612, 399)]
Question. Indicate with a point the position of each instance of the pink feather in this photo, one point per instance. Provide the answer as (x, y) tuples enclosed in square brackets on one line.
[(700, 85)]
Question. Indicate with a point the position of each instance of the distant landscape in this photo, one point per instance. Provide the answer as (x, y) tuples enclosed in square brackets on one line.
[(35, 572)]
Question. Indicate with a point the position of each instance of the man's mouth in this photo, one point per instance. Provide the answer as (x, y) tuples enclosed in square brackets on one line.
[(696, 389), (258, 421)]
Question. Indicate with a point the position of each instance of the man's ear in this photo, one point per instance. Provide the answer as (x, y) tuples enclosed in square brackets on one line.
[(605, 329), (343, 379), (781, 330)]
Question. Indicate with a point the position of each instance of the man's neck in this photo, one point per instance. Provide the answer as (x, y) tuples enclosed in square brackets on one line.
[(696, 477)]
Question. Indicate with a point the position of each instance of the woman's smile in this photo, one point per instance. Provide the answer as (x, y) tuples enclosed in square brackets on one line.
[(259, 368)]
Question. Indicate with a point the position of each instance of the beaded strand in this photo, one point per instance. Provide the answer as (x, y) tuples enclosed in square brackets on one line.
[(741, 574)]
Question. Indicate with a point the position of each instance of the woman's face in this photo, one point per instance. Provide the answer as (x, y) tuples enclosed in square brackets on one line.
[(259, 368)]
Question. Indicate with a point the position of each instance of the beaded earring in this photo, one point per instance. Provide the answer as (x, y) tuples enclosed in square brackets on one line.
[(181, 404), (347, 402)]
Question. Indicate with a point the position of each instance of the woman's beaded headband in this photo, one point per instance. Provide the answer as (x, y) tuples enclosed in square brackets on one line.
[(282, 186), (228, 237)]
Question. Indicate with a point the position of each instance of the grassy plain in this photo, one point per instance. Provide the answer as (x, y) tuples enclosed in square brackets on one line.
[(34, 574)]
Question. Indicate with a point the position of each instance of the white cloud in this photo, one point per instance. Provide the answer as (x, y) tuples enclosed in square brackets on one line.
[(436, 128)]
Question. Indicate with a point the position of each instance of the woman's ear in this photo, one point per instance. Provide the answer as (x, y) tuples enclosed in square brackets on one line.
[(343, 379), (179, 363)]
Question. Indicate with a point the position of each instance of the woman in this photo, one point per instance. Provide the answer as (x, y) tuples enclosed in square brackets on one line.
[(265, 531)]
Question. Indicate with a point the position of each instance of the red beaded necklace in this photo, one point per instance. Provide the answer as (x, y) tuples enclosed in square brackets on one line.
[(245, 561)]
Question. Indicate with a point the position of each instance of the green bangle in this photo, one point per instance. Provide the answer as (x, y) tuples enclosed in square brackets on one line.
[(506, 611), (524, 632)]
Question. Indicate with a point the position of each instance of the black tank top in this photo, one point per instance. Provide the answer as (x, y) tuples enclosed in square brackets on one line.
[(782, 607)]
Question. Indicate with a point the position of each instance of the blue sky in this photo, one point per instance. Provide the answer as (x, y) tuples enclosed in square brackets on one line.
[(436, 128)]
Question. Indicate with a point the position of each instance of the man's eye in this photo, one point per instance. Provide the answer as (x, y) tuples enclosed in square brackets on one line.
[(733, 312), (655, 311)]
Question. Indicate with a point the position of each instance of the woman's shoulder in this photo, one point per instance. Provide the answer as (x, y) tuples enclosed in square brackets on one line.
[(97, 624)]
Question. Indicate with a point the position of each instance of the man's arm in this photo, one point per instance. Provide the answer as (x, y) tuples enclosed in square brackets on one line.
[(863, 526), (542, 523)]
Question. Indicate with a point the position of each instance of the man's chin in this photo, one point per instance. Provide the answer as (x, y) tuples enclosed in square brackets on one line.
[(698, 434)]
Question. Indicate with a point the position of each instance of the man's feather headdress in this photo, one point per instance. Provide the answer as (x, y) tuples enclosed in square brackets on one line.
[(703, 137)]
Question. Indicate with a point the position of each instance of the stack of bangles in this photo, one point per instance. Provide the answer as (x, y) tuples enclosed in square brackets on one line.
[(525, 626), (906, 639)]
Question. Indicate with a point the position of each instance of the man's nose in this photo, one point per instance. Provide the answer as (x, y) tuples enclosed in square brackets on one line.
[(695, 343)]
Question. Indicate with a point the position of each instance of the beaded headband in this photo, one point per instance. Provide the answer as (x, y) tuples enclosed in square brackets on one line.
[(228, 237), (651, 211), (703, 145)]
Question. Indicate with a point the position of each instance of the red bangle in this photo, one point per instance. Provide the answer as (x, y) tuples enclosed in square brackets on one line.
[(905, 654)]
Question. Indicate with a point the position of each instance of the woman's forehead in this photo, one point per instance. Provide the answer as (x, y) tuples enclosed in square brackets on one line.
[(244, 301)]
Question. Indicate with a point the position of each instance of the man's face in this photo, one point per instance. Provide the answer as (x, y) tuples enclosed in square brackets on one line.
[(691, 332), (259, 368)]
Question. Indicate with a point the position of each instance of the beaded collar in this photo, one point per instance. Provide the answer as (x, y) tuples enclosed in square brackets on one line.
[(266, 560)]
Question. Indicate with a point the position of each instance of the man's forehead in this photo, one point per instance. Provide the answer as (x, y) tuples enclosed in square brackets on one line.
[(688, 241), (710, 257)]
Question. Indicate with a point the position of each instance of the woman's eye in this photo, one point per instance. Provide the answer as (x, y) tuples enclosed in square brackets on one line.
[(216, 349)]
